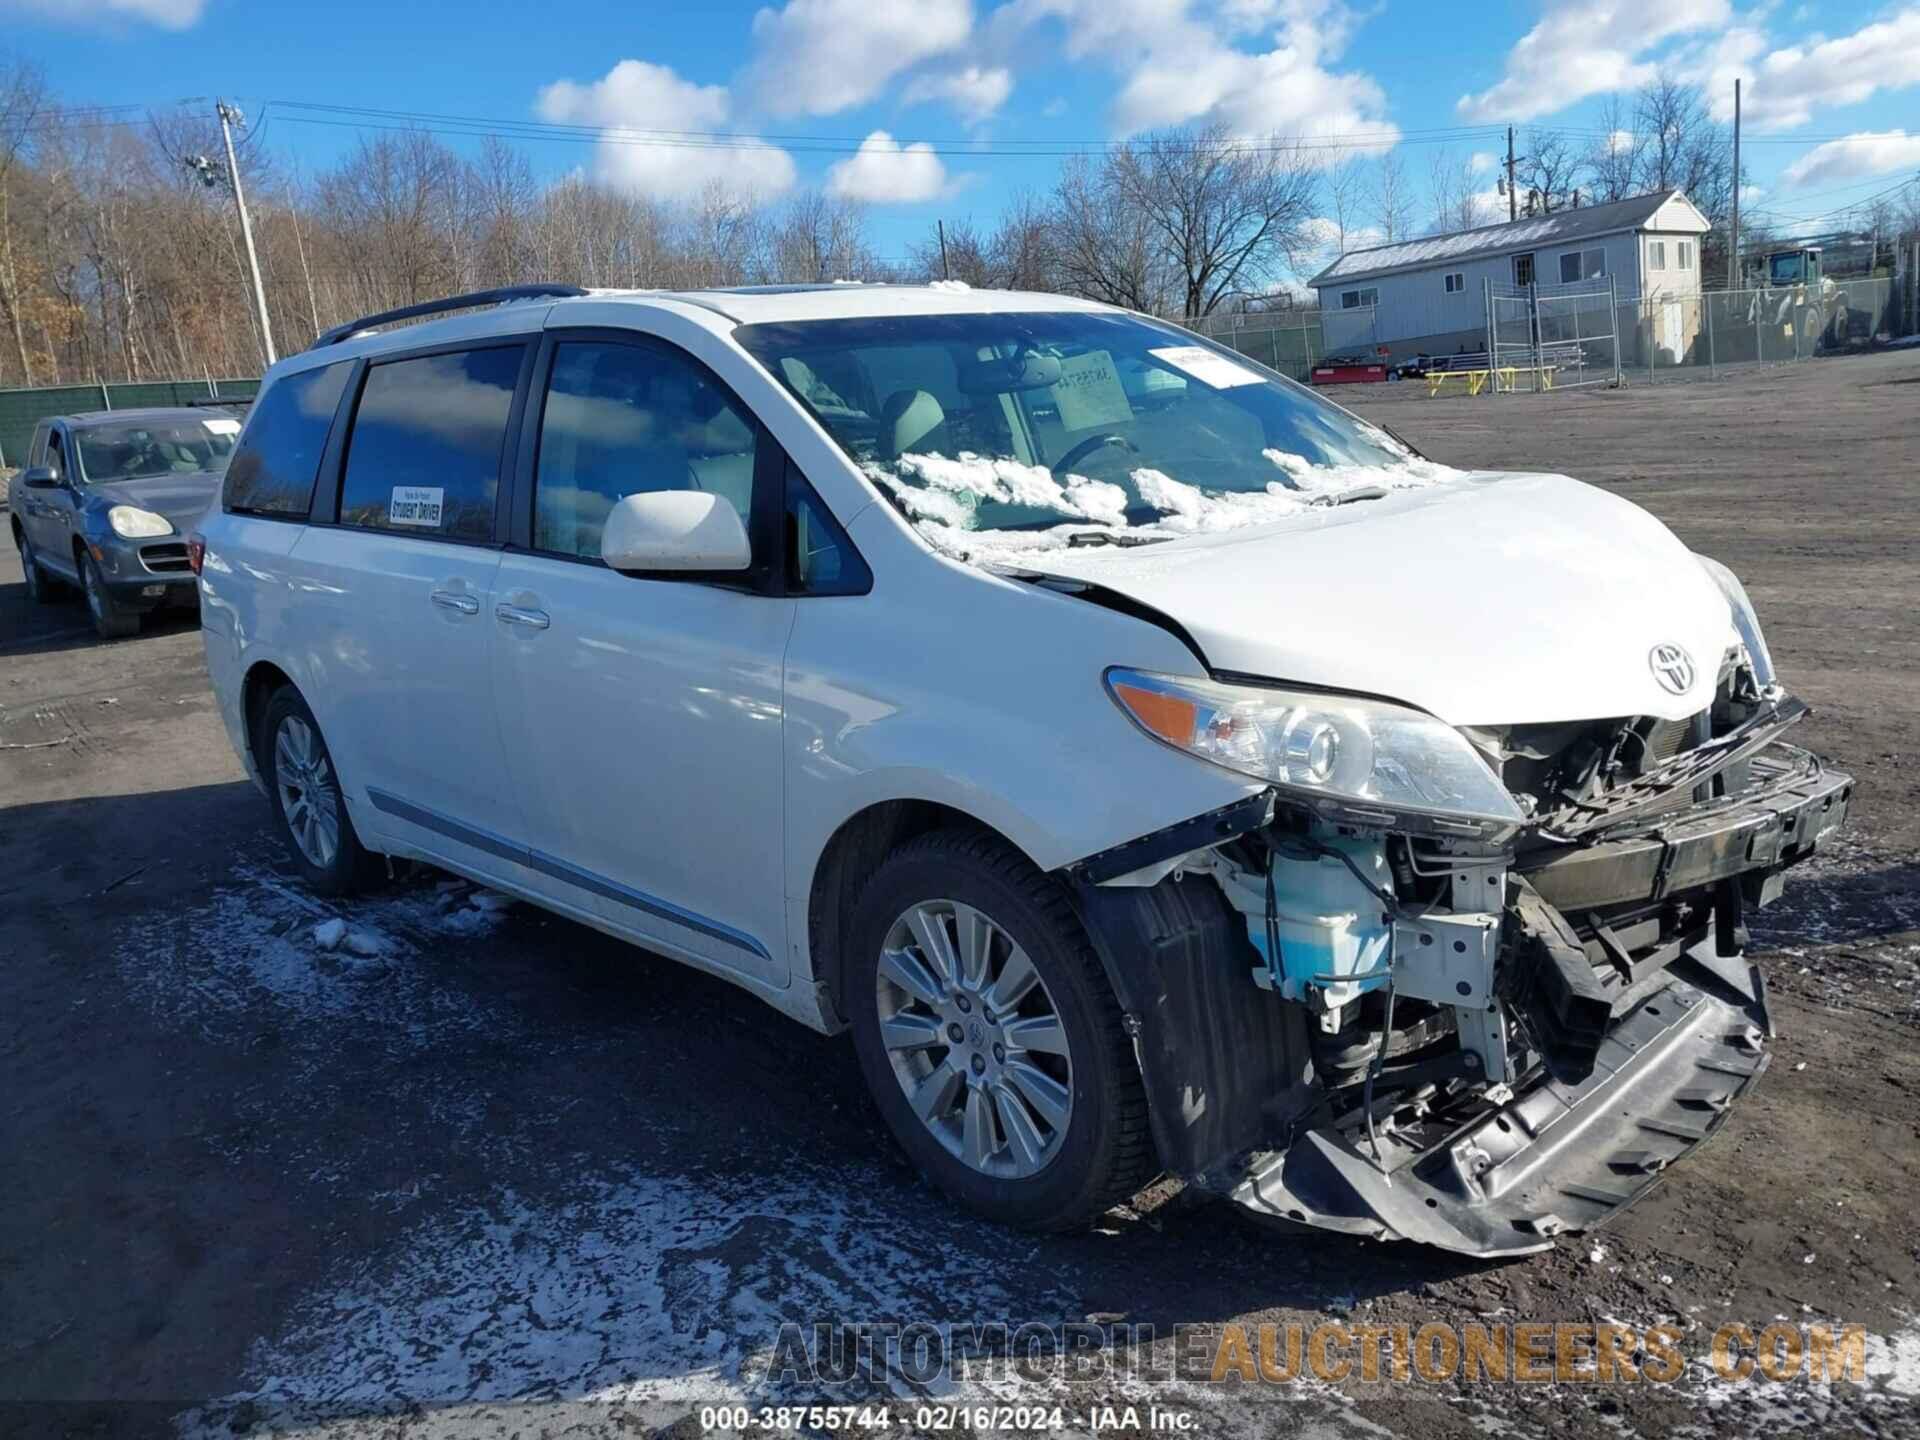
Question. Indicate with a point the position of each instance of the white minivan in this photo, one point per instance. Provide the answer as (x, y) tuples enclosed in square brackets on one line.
[(1156, 767)]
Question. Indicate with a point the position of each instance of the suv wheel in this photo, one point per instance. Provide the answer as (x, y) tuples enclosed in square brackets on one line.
[(990, 1038), (307, 801), (111, 619), (39, 584)]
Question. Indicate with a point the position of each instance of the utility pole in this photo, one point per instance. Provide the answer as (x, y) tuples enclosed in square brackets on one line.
[(1733, 243), (941, 226), (228, 115), (1513, 198)]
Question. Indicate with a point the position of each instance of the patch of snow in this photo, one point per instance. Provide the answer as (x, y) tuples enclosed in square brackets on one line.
[(329, 933)]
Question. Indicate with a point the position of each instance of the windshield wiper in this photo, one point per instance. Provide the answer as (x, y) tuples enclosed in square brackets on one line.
[(1347, 497)]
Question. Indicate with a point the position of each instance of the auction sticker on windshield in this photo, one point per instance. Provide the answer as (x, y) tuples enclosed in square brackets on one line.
[(222, 427), (1089, 393), (415, 505), (1205, 366)]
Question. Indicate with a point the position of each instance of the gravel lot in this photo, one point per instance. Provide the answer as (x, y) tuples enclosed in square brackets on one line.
[(503, 1176)]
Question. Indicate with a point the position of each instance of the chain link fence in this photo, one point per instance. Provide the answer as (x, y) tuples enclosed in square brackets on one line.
[(1671, 336)]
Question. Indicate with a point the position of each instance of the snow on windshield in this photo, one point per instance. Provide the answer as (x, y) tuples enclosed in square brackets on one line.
[(942, 495)]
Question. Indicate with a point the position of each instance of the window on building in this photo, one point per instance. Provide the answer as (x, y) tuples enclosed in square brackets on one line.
[(1656, 254), (273, 471), (1456, 282), (1359, 299), (423, 457), (1578, 265), (1683, 260), (1570, 267), (1523, 269)]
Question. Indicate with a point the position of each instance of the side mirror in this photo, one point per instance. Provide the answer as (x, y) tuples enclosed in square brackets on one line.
[(675, 530), (42, 477)]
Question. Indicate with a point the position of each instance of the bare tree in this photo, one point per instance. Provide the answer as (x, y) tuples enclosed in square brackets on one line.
[(1614, 164), (1227, 215), (1346, 194), (1552, 171), (1108, 249), (1392, 198), (1454, 192)]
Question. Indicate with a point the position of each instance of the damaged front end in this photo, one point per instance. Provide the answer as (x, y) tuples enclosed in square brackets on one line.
[(1476, 1039)]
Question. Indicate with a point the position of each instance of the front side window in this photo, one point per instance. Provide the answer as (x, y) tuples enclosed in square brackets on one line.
[(146, 449), (1044, 428), (278, 458), (423, 457), (626, 419), (1684, 260), (1657, 254)]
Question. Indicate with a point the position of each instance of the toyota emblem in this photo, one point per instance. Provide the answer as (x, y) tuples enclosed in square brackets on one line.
[(1672, 667)]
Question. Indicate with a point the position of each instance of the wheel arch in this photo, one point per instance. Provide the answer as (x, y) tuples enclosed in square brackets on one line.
[(860, 843), (262, 682)]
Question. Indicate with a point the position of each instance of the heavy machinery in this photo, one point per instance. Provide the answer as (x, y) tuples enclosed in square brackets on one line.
[(1794, 299)]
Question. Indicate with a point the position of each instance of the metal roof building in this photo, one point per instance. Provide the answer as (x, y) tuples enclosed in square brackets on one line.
[(1429, 294)]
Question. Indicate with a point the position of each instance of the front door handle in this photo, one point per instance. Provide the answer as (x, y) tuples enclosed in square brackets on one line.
[(521, 615), (454, 600)]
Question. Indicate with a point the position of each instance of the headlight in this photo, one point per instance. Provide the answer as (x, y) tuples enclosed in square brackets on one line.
[(1354, 761), (130, 522), (1744, 620)]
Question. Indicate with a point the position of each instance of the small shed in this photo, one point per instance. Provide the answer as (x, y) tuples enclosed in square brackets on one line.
[(1428, 295)]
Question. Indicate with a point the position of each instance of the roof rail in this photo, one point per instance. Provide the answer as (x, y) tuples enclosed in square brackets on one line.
[(472, 300)]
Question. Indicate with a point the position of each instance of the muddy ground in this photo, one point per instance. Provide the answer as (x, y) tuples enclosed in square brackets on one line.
[(507, 1177)]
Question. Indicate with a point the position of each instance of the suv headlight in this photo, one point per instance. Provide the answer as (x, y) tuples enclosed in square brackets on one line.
[(130, 522), (1745, 621), (1354, 761)]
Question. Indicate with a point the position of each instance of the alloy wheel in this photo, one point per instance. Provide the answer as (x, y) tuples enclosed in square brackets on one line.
[(309, 797), (975, 1039)]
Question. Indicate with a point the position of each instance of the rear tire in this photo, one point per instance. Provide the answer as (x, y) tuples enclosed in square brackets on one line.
[(111, 619), (308, 801), (1000, 1065)]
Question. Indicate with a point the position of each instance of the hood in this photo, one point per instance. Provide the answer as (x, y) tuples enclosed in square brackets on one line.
[(183, 499), (1494, 600)]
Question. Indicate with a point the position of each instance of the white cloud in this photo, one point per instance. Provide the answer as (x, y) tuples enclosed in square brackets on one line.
[(636, 96), (819, 57), (1054, 108), (885, 172), (1784, 86), (167, 14), (975, 92), (1587, 47), (1618, 140), (1868, 153), (1180, 67), (1482, 161)]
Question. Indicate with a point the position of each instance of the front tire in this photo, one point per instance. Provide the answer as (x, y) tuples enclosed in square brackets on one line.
[(40, 586), (111, 619), (307, 799), (990, 1037)]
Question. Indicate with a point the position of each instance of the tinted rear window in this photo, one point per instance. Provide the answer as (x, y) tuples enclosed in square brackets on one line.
[(273, 471), (424, 454)]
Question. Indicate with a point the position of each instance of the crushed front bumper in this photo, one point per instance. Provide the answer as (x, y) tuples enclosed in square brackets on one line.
[(1557, 1158), (1238, 1107)]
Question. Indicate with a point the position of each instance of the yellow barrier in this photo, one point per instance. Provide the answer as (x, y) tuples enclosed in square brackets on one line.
[(1477, 379)]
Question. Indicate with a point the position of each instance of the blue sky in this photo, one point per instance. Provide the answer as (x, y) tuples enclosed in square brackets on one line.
[(919, 108)]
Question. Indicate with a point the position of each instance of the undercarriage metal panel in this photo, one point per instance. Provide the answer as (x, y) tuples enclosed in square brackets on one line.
[(1557, 1159)]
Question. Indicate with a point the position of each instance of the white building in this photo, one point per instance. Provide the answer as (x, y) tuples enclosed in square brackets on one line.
[(1429, 295)]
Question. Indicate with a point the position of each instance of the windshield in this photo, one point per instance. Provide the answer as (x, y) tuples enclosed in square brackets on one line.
[(142, 449), (1029, 430), (1785, 268)]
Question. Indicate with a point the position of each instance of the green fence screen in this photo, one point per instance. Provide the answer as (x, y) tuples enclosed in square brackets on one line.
[(21, 410)]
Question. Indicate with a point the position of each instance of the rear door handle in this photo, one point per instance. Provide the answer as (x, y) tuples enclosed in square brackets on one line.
[(521, 615), (454, 600)]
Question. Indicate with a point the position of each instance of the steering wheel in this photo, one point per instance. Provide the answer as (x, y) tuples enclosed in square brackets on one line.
[(1087, 446)]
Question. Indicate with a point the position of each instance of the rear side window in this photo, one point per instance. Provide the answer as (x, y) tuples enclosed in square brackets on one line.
[(423, 457), (272, 473)]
